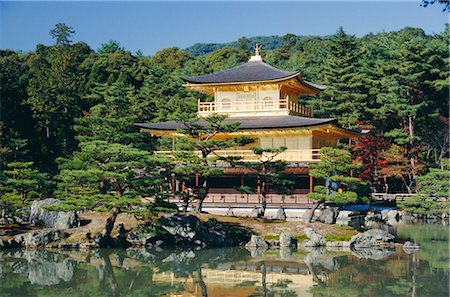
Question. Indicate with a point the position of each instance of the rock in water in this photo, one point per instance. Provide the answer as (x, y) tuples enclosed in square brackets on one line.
[(328, 215), (410, 247), (181, 226), (42, 238), (285, 239), (315, 239), (52, 219), (371, 238), (188, 230), (257, 241)]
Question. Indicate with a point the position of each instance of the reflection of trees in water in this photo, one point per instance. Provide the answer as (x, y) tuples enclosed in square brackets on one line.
[(397, 275), (280, 288), (140, 272)]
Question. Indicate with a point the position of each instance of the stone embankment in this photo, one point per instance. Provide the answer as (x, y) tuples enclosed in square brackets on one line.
[(372, 244), (54, 229)]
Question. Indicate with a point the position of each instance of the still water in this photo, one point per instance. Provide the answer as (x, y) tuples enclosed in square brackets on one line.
[(234, 271)]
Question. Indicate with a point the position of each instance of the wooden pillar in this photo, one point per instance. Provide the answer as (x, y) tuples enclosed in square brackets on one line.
[(183, 186), (258, 186), (174, 144), (196, 179), (311, 183), (173, 183)]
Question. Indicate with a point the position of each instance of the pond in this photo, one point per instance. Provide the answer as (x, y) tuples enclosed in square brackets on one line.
[(233, 271)]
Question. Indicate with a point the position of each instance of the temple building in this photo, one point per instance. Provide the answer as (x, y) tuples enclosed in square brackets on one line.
[(264, 100)]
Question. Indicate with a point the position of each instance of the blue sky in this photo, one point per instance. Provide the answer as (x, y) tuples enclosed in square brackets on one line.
[(151, 26)]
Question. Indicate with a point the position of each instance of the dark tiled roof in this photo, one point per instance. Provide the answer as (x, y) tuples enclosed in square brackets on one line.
[(254, 122), (250, 71)]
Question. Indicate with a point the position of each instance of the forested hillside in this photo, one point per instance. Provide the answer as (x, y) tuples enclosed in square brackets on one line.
[(393, 83), (268, 42)]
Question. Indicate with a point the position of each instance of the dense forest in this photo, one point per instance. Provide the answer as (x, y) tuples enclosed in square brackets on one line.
[(59, 100)]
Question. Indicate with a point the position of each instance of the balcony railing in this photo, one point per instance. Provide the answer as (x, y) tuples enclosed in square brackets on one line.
[(251, 106), (305, 155)]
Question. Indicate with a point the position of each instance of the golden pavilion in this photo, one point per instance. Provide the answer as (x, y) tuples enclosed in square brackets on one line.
[(264, 100)]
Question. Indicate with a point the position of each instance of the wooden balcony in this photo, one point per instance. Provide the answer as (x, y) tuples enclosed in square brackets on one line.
[(206, 108), (305, 155)]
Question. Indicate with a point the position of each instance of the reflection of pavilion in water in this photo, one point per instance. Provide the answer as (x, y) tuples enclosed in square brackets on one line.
[(282, 278)]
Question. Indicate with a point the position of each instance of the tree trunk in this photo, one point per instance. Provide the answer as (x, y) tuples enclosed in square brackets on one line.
[(413, 158), (185, 203), (109, 273), (386, 185), (199, 280), (110, 221), (263, 279), (311, 213), (119, 188), (263, 198), (102, 186), (202, 193)]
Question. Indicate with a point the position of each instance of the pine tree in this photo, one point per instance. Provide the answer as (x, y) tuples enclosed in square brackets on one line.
[(345, 98), (334, 168), (269, 173), (109, 176), (23, 183), (197, 147), (113, 118)]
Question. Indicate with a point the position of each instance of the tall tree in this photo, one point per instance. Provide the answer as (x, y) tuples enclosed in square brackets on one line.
[(113, 118), (62, 33), (345, 98), (54, 90)]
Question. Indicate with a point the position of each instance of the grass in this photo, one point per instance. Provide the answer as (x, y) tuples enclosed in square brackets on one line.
[(271, 237), (298, 237), (341, 237)]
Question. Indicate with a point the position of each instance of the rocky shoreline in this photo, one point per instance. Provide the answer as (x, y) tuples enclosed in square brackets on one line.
[(185, 230)]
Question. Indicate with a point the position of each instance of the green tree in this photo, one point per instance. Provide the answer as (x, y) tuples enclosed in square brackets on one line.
[(269, 173), (108, 176), (399, 167), (345, 97), (198, 151), (62, 33), (23, 183), (113, 118), (54, 90), (334, 168), (109, 47)]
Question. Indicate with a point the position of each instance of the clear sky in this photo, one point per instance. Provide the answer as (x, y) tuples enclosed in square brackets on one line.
[(151, 26)]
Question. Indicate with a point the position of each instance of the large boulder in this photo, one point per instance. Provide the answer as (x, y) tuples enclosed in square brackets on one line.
[(42, 238), (374, 220), (315, 239), (52, 219), (286, 239), (183, 229), (257, 242), (372, 238), (328, 215)]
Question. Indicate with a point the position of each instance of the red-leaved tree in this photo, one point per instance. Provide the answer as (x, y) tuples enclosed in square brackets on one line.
[(368, 150)]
